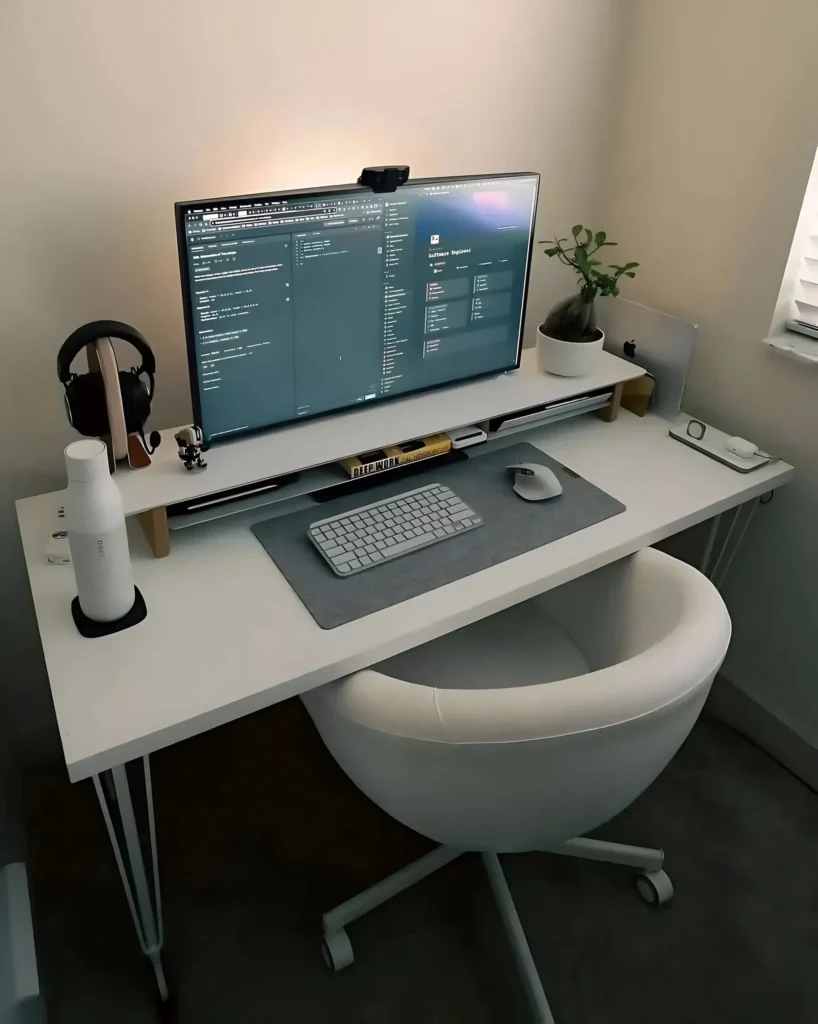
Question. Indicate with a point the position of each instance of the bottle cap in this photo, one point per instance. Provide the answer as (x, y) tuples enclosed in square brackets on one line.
[(86, 460)]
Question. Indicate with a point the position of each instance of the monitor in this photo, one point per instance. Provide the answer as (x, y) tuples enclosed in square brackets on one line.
[(301, 303)]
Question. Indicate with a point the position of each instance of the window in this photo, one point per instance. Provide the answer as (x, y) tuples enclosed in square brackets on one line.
[(795, 325)]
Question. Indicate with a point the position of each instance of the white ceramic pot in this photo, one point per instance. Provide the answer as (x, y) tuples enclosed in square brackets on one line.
[(568, 358)]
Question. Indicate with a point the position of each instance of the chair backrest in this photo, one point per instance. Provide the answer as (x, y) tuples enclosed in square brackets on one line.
[(624, 609)]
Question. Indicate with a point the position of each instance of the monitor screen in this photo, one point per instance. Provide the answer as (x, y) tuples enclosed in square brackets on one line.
[(300, 303)]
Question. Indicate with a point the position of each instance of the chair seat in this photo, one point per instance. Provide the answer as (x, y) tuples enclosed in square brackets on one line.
[(539, 723), (522, 646)]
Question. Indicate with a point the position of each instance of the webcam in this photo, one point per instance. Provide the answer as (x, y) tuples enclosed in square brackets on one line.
[(384, 179)]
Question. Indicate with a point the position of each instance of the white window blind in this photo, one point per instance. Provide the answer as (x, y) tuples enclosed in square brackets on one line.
[(806, 287), (804, 279)]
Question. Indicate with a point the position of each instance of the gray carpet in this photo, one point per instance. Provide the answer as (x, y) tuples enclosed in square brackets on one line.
[(260, 831)]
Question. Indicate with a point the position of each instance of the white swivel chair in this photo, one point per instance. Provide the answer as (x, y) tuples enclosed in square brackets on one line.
[(530, 728)]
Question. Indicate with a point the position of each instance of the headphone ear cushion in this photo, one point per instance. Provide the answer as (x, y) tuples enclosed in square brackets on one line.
[(85, 405), (136, 403)]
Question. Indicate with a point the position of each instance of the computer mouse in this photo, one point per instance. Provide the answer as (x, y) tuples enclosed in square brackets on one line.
[(534, 482)]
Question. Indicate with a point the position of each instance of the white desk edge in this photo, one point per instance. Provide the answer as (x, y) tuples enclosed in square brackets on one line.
[(226, 636)]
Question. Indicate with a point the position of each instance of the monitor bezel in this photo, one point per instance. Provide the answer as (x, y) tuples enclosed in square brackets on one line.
[(182, 208)]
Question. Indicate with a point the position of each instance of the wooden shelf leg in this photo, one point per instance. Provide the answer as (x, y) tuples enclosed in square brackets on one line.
[(610, 412), (154, 523)]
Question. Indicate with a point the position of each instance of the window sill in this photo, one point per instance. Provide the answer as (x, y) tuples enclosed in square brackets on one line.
[(794, 346)]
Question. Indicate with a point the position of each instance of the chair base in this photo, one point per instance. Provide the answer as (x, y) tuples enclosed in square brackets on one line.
[(652, 884)]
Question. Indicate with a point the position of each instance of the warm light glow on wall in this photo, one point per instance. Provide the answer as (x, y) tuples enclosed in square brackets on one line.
[(261, 156)]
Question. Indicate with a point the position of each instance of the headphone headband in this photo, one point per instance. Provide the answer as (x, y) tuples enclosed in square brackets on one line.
[(88, 333)]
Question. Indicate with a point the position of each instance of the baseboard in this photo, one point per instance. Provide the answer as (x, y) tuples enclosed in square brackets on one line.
[(732, 705)]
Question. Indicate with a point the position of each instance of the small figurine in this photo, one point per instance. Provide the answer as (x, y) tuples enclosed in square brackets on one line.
[(191, 448)]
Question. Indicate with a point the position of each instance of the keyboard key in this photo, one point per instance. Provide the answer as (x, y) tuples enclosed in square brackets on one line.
[(354, 564), (456, 516), (407, 545), (343, 568), (347, 556), (332, 552)]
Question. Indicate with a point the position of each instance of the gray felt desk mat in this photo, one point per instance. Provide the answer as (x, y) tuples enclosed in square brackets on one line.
[(511, 527)]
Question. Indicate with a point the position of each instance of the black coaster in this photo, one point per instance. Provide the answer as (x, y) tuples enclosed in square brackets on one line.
[(91, 628)]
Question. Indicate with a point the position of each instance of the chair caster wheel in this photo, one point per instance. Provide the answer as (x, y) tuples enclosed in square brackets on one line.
[(337, 950), (655, 888)]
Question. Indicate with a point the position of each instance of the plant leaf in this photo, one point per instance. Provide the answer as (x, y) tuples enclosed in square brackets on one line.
[(581, 257), (552, 251), (599, 238), (589, 236), (575, 230), (629, 265), (629, 273)]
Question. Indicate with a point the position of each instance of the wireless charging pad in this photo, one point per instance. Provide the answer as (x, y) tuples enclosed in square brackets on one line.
[(713, 442)]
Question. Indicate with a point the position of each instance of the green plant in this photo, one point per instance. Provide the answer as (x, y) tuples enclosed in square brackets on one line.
[(574, 319)]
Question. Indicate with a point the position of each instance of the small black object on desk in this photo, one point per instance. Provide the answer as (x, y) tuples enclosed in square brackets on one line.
[(91, 628)]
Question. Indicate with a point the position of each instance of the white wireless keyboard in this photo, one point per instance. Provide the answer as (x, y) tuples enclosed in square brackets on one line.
[(377, 533)]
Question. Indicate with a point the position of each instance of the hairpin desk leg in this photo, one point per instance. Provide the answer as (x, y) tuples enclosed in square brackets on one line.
[(718, 568), (136, 857)]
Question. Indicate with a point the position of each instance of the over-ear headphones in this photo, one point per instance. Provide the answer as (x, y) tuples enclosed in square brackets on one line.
[(85, 392)]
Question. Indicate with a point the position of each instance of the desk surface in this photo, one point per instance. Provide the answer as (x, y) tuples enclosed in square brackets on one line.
[(225, 635)]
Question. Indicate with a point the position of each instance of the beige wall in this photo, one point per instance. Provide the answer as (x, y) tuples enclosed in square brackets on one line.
[(715, 135), (109, 112)]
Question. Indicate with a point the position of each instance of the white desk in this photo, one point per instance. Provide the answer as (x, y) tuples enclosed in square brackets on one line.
[(225, 635)]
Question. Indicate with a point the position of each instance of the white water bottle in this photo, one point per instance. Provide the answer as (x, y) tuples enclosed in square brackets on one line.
[(95, 521)]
